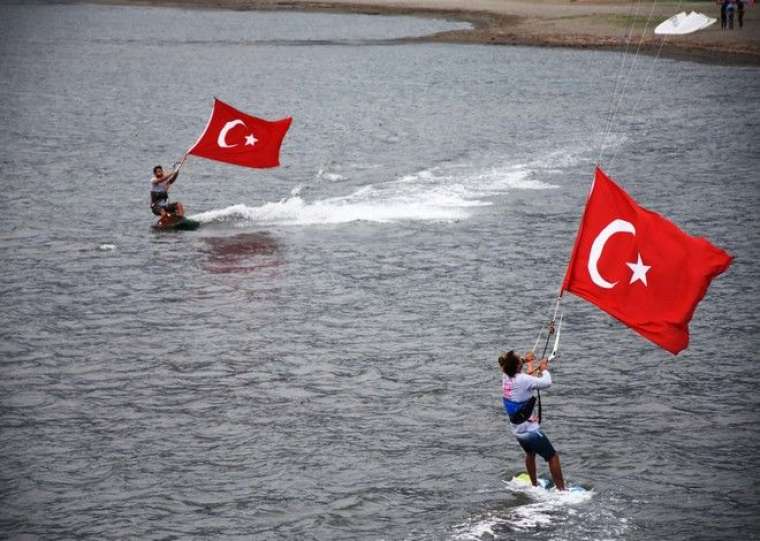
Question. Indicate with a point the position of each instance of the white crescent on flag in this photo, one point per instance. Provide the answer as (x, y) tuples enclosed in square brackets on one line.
[(232, 136), (222, 139), (615, 226)]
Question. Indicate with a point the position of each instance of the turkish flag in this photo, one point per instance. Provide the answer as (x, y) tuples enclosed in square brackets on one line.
[(639, 267), (232, 136)]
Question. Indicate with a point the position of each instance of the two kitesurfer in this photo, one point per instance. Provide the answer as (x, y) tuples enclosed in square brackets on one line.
[(159, 194), (519, 404)]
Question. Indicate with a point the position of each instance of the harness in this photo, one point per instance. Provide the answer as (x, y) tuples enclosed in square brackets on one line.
[(519, 412)]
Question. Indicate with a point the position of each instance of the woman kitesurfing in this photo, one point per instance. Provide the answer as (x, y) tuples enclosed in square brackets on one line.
[(519, 403), (630, 262)]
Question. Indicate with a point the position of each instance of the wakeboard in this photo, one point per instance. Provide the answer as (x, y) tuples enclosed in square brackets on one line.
[(547, 484), (179, 224)]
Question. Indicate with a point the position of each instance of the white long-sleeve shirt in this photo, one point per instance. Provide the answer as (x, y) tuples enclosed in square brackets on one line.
[(519, 389)]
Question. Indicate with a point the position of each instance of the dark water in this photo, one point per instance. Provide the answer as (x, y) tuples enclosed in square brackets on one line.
[(319, 359)]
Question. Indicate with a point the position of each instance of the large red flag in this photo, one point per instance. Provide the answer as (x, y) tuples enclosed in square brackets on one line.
[(234, 137), (639, 267)]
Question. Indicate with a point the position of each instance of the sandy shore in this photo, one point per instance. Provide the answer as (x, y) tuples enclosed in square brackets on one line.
[(600, 24)]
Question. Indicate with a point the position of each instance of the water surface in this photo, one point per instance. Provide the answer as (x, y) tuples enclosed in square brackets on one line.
[(319, 359)]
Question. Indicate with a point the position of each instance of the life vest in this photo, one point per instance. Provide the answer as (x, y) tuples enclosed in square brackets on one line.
[(519, 412)]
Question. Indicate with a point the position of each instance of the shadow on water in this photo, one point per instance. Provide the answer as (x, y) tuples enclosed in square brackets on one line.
[(245, 252)]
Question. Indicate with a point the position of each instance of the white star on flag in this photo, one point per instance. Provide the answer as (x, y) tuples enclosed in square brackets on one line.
[(250, 140), (639, 271)]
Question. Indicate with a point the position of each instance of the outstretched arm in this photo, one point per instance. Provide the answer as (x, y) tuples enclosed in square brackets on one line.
[(174, 174)]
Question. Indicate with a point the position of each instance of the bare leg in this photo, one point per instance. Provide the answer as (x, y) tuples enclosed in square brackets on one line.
[(530, 465), (556, 472), (180, 210)]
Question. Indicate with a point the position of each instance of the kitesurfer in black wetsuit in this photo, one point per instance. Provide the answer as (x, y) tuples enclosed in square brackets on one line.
[(159, 194)]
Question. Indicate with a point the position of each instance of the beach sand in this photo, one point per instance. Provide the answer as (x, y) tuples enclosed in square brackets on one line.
[(600, 24)]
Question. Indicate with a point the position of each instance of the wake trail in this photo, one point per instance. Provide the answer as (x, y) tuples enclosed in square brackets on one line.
[(446, 193)]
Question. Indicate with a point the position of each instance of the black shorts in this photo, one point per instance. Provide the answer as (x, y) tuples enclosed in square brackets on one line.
[(537, 443), (160, 201), (171, 208)]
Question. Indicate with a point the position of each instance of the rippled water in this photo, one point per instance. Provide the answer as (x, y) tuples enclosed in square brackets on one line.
[(319, 359)]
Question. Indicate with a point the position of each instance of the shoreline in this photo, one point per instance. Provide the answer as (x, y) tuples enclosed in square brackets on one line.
[(576, 24)]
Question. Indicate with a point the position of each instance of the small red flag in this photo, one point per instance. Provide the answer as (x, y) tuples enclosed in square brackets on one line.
[(639, 267), (232, 136)]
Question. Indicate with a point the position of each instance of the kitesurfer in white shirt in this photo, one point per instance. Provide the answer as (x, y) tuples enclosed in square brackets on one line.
[(159, 194), (519, 404)]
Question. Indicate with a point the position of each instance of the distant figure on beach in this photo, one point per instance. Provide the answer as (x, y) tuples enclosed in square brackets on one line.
[(740, 12), (723, 7), (730, 10), (159, 194), (519, 402)]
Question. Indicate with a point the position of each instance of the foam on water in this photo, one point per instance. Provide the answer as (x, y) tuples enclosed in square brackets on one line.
[(477, 529), (437, 194), (548, 504), (296, 211), (548, 507), (557, 160), (329, 176)]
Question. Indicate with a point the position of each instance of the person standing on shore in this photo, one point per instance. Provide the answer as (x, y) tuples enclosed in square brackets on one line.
[(723, 6), (730, 10), (740, 13), (518, 399)]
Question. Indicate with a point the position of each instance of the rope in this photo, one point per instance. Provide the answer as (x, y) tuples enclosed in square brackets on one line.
[(621, 97), (621, 68), (541, 330), (648, 77), (550, 331)]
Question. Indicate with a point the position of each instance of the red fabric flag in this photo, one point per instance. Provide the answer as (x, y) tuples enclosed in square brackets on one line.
[(639, 267), (235, 137)]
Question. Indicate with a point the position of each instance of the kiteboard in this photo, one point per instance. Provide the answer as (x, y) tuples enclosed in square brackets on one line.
[(179, 224), (547, 484)]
